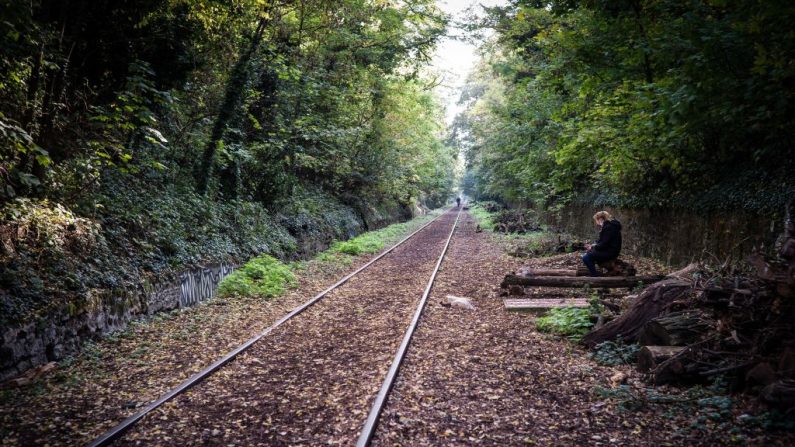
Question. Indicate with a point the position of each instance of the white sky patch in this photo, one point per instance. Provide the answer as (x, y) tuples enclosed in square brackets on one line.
[(454, 58)]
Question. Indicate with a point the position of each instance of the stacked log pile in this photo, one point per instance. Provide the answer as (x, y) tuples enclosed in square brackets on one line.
[(696, 326)]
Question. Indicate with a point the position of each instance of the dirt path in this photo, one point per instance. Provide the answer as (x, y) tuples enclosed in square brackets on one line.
[(310, 382)]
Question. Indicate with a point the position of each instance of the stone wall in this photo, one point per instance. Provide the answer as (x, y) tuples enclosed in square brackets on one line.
[(62, 331), (104, 311), (677, 237)]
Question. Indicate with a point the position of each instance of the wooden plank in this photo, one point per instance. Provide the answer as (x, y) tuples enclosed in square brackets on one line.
[(580, 281), (542, 304)]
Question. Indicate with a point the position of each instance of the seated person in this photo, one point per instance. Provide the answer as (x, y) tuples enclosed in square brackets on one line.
[(609, 244)]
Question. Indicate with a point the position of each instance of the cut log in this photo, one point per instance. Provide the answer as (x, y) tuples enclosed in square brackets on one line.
[(651, 356), (646, 307), (579, 281), (532, 273), (676, 329), (686, 273)]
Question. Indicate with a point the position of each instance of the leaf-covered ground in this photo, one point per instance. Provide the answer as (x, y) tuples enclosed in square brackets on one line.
[(309, 382), (482, 377), (487, 377), (113, 378)]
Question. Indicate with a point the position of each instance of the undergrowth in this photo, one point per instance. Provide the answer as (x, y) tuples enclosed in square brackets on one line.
[(571, 322), (613, 353), (267, 277), (524, 245), (263, 276), (707, 408), (485, 219)]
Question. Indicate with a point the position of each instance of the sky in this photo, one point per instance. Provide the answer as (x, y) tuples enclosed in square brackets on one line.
[(455, 58)]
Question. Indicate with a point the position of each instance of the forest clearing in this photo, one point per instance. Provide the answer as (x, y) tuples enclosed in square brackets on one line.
[(397, 222)]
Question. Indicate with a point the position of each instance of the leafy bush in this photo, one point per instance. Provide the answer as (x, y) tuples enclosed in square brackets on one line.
[(572, 322), (612, 353), (263, 276)]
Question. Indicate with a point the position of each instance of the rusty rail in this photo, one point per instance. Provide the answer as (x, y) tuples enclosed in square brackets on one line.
[(371, 424), (115, 432)]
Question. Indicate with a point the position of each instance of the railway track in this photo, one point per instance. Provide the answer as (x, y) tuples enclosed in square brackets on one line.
[(423, 241)]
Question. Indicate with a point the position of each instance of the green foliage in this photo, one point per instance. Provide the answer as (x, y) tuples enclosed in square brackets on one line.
[(572, 322), (359, 245), (374, 241), (263, 276), (247, 103), (702, 405), (483, 217), (318, 122), (634, 104), (613, 353)]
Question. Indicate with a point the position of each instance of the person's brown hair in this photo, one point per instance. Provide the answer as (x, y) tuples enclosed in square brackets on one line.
[(602, 215)]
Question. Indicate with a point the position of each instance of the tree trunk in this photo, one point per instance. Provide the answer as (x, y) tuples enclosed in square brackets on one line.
[(232, 96), (651, 356), (676, 329), (648, 306), (579, 281)]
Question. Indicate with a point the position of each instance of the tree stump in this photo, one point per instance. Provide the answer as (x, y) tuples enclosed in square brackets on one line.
[(651, 356), (676, 329)]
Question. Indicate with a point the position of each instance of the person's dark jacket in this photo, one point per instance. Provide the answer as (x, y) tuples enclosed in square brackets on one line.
[(609, 244)]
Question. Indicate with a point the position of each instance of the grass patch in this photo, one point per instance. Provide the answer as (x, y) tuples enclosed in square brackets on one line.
[(363, 244), (571, 322), (527, 245), (263, 276), (375, 241), (485, 219), (267, 277)]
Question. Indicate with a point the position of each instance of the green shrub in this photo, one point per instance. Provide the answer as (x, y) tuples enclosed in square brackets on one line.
[(263, 276), (572, 322), (366, 243)]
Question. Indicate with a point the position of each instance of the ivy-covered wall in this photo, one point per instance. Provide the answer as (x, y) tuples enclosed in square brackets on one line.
[(67, 279)]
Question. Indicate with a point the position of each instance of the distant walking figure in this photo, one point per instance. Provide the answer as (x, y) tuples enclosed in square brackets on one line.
[(458, 202), (609, 244)]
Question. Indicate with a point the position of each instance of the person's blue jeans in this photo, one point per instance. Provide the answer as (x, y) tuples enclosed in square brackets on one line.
[(589, 262)]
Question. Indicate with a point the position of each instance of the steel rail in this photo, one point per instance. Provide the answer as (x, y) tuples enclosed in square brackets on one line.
[(115, 432), (370, 425)]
